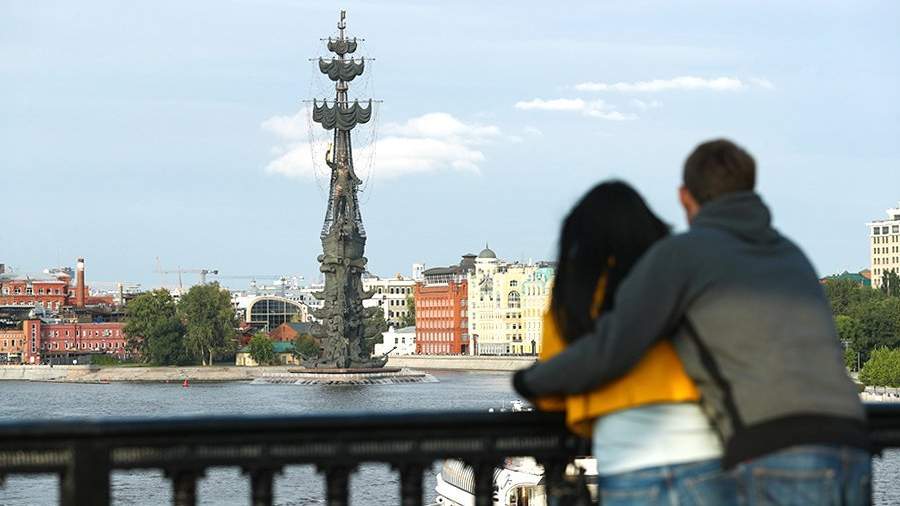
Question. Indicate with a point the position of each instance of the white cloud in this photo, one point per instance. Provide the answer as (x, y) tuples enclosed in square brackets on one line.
[(292, 128), (762, 83), (594, 109), (532, 130), (428, 143), (443, 126), (556, 104), (645, 105), (658, 85)]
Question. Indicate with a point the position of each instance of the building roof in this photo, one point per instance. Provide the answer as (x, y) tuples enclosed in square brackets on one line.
[(300, 327), (441, 270), (858, 278), (411, 329), (487, 253), (277, 347)]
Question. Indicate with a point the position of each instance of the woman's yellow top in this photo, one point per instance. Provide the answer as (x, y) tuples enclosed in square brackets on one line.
[(658, 377)]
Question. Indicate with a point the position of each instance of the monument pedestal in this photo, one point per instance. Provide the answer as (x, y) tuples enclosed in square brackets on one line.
[(358, 376)]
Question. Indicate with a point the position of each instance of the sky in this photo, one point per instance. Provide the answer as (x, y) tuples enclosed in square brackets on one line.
[(178, 130)]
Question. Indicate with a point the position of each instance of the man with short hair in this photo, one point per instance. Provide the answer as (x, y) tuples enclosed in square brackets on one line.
[(755, 333)]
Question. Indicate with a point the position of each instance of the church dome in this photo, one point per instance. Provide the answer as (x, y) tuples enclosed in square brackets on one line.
[(487, 253)]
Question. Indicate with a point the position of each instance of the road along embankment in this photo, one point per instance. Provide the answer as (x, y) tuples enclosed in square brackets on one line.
[(96, 374), (460, 362)]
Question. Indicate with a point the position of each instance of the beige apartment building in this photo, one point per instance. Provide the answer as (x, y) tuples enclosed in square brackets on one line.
[(505, 302), (884, 246)]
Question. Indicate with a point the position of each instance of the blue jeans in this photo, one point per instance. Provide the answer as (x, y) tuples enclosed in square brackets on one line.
[(801, 475), (701, 483)]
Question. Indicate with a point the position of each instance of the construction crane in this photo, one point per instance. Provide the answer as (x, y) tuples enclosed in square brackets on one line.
[(202, 272)]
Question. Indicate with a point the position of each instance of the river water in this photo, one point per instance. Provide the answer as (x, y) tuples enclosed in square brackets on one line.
[(299, 485)]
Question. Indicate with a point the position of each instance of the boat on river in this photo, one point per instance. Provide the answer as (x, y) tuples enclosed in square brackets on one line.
[(520, 482)]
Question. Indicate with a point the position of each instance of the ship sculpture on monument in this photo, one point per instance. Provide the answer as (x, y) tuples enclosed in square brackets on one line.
[(346, 326)]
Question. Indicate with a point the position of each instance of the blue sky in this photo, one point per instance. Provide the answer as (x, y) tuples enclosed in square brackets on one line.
[(176, 130)]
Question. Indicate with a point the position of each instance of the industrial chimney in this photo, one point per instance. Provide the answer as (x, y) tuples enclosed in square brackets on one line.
[(79, 284)]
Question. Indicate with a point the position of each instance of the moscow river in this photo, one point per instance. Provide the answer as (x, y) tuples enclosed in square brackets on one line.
[(373, 485)]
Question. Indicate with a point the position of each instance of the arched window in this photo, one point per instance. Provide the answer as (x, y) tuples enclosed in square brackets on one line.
[(272, 311), (514, 300)]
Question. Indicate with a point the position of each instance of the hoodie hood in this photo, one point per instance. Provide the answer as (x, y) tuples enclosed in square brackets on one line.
[(743, 214)]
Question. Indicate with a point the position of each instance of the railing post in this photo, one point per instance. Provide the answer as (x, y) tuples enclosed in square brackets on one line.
[(410, 484), (559, 492), (484, 483), (261, 485), (85, 480), (184, 486), (337, 481)]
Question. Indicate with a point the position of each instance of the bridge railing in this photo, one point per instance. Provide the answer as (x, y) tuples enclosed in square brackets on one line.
[(84, 453)]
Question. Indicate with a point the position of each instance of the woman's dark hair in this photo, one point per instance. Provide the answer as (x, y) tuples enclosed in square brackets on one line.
[(606, 232)]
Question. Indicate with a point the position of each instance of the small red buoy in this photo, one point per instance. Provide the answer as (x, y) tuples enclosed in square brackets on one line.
[(185, 384)]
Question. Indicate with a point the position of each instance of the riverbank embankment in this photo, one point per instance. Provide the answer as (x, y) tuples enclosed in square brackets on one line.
[(117, 374), (460, 362)]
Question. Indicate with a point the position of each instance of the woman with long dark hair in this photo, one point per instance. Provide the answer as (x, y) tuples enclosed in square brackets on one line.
[(651, 440)]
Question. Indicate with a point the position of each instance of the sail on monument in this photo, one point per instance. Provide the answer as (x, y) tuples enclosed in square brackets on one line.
[(346, 326)]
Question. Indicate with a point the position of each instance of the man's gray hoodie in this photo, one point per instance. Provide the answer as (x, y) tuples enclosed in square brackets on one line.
[(750, 323)]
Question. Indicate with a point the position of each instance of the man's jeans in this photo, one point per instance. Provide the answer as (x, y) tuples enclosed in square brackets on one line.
[(691, 484), (802, 475)]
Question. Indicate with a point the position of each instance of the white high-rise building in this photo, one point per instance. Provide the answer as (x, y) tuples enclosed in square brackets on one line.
[(392, 295), (884, 246), (418, 272)]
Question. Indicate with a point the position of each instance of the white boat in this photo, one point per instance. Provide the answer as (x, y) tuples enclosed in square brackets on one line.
[(520, 482)]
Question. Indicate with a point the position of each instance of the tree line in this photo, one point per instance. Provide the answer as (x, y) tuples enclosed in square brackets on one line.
[(197, 329), (868, 324)]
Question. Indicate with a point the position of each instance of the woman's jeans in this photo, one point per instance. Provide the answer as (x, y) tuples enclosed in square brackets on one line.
[(693, 483), (800, 475)]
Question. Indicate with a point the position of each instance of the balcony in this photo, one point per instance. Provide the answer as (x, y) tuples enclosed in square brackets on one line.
[(84, 453)]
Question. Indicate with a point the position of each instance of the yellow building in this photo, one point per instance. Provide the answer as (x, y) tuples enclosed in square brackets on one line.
[(884, 246), (535, 301), (499, 308)]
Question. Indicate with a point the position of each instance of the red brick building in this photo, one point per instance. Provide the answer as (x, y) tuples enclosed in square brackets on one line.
[(52, 292), (39, 341), (441, 316), (12, 346)]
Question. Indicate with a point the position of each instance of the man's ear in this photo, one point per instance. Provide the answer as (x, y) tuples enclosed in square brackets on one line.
[(688, 202)]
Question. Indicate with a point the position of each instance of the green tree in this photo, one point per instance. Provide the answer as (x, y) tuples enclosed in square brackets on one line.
[(890, 284), (865, 318), (882, 369), (207, 314), (152, 328), (851, 335), (375, 324), (306, 346), (261, 349), (409, 319), (844, 294), (878, 324)]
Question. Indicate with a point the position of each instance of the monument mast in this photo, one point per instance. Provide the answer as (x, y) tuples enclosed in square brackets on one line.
[(345, 325)]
